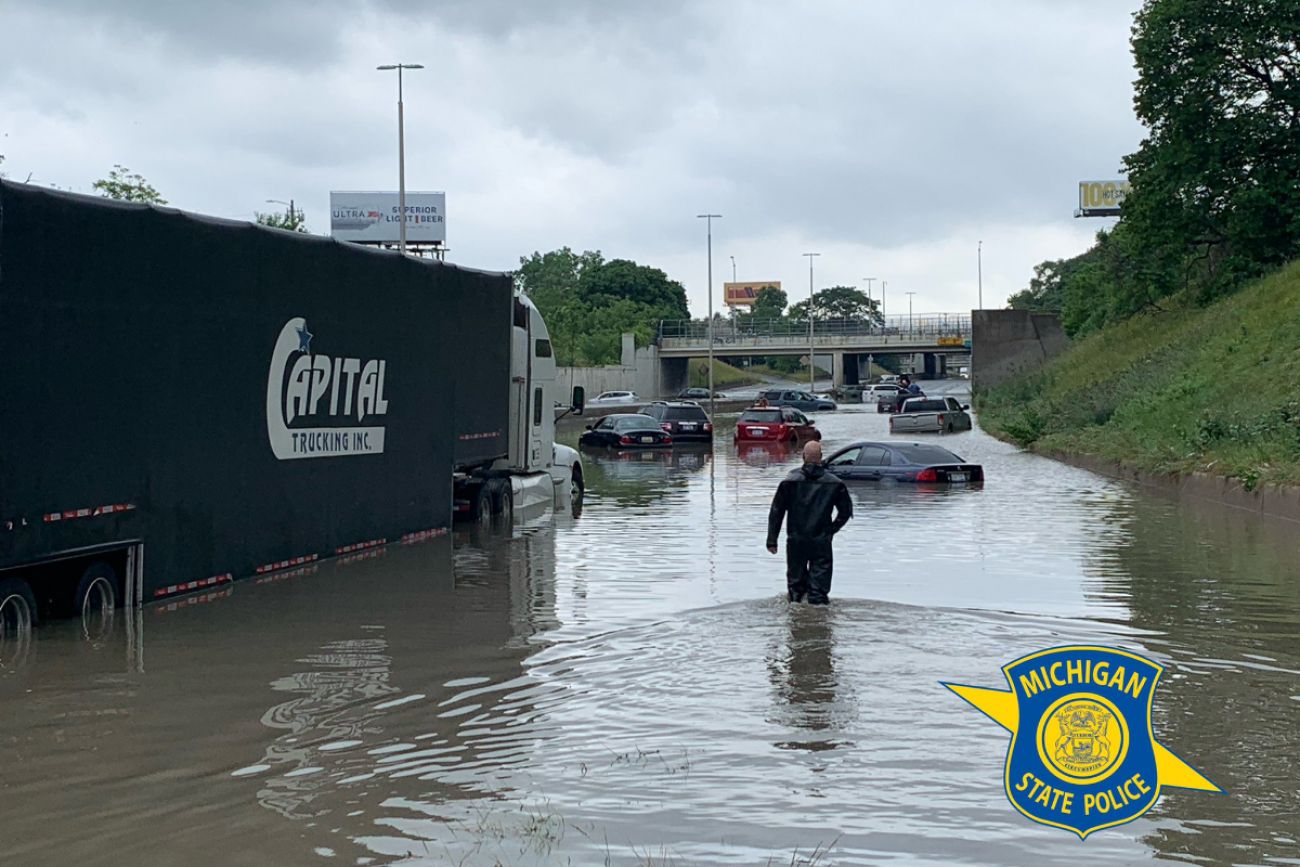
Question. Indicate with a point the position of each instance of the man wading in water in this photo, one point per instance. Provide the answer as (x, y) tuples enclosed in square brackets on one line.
[(809, 495)]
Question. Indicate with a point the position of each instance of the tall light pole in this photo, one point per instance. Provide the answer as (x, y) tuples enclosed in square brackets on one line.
[(401, 152), (979, 252), (709, 218), (910, 329), (883, 284), (812, 347), (733, 269)]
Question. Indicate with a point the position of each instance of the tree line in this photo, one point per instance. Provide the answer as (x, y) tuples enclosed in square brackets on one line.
[(1215, 185)]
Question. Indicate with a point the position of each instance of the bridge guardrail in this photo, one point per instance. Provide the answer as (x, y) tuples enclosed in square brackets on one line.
[(930, 325)]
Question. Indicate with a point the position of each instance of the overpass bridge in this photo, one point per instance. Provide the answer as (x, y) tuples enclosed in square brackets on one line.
[(934, 337)]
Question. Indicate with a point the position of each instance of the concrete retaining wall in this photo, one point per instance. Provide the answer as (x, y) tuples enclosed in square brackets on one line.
[(1268, 501), (639, 372), (1010, 343)]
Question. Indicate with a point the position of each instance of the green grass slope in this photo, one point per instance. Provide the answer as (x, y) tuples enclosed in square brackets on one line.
[(1188, 389)]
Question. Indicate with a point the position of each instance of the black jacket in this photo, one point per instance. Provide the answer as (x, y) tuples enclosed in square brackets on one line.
[(809, 494)]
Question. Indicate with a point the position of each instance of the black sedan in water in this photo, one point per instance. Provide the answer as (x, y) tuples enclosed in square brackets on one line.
[(626, 430), (902, 462)]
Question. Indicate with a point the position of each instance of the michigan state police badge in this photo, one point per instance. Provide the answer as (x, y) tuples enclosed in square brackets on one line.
[(1083, 756)]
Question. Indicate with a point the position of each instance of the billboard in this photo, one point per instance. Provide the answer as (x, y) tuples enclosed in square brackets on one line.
[(1101, 198), (372, 217), (745, 294)]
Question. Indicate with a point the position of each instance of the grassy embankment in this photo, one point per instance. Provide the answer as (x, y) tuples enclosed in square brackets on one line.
[(1180, 390)]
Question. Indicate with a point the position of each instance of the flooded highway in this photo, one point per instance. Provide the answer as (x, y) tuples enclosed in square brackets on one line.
[(629, 686)]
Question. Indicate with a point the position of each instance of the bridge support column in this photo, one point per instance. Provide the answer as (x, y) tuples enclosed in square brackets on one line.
[(837, 369), (852, 368), (931, 362), (674, 375)]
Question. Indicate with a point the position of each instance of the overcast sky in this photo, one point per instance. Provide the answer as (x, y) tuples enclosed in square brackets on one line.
[(889, 137)]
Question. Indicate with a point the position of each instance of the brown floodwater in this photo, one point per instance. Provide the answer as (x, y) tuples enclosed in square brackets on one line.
[(629, 686)]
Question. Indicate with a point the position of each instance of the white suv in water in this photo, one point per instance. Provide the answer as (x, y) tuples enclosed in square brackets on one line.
[(614, 398)]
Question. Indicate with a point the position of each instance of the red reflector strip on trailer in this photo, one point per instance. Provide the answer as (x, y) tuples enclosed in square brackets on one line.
[(173, 589), (70, 514), (421, 535), (286, 564), (360, 546), (486, 435)]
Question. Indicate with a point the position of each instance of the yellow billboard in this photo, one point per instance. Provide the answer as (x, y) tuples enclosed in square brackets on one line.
[(745, 294), (1101, 198)]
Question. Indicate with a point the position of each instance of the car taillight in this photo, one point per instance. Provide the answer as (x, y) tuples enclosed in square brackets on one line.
[(668, 440), (708, 427), (927, 475), (940, 419), (666, 426), (625, 440)]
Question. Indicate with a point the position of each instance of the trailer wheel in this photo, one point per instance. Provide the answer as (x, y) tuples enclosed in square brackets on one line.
[(96, 600), (17, 619), (480, 504)]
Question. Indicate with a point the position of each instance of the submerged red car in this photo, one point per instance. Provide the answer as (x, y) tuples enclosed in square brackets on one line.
[(776, 424)]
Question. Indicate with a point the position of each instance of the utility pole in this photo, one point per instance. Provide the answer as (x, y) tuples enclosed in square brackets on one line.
[(733, 269), (401, 152), (979, 252), (883, 284), (910, 329), (812, 346), (709, 218)]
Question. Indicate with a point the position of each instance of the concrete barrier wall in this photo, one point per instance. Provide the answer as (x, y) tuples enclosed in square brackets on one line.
[(638, 372), (1010, 343)]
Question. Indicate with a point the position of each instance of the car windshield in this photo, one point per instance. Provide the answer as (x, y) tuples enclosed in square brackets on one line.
[(771, 416), (925, 406), (926, 454), (686, 413), (635, 422)]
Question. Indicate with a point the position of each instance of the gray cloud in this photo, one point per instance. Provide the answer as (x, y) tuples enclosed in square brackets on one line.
[(872, 128)]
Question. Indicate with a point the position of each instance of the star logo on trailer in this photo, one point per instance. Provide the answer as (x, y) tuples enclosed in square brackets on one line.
[(304, 338), (1082, 755)]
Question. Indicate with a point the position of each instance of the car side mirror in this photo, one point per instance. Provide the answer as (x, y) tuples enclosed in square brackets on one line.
[(588, 427), (579, 399), (965, 406)]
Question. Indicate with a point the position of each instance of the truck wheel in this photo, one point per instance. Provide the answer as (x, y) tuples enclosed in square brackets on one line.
[(17, 619), (576, 488), (96, 599), (503, 500), (480, 504), (949, 428)]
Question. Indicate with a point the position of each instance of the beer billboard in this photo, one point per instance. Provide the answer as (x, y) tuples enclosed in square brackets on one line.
[(372, 217)]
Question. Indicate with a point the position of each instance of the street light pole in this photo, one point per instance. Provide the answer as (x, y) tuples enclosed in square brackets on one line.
[(733, 269), (812, 347), (401, 152), (292, 211), (709, 218), (979, 252), (910, 329), (883, 284)]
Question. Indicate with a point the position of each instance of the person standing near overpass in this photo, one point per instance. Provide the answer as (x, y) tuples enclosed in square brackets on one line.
[(814, 504)]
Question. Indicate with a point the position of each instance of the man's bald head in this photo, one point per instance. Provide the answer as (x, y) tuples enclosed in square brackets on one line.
[(812, 452)]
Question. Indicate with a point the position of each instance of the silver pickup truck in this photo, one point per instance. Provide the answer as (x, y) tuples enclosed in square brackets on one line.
[(931, 414)]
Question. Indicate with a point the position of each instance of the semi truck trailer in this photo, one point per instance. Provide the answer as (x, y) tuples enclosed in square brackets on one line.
[(187, 401)]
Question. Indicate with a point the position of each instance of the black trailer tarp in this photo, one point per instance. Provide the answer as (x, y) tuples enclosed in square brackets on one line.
[(249, 396)]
